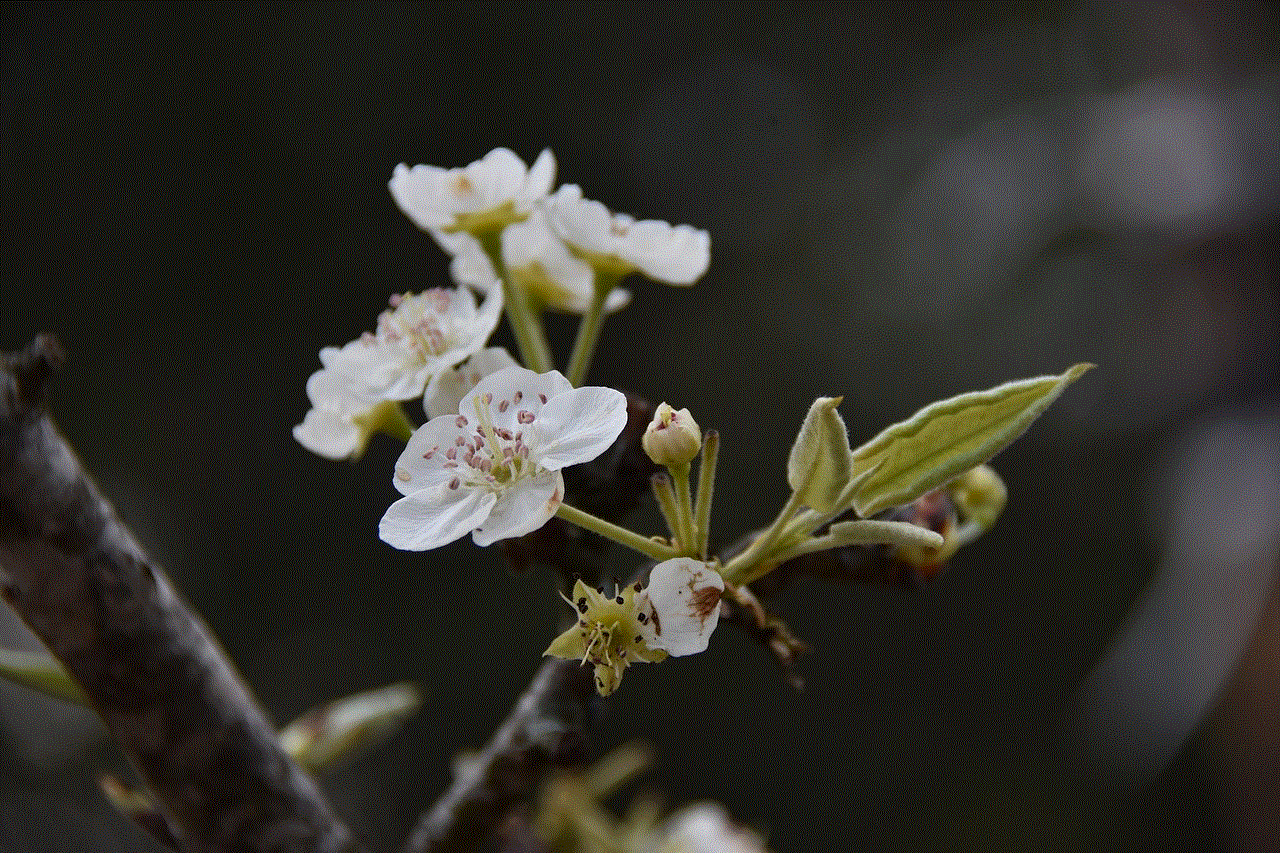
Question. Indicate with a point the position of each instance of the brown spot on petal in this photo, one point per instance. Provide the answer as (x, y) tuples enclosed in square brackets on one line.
[(705, 600)]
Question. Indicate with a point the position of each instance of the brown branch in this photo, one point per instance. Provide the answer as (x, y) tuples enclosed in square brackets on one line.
[(149, 666), (548, 728)]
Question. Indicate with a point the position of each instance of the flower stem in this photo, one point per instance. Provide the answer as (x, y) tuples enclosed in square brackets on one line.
[(584, 347), (706, 485), (531, 340), (665, 494), (687, 536), (396, 423), (621, 535), (759, 550)]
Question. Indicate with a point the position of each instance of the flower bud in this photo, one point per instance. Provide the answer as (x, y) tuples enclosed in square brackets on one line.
[(672, 437)]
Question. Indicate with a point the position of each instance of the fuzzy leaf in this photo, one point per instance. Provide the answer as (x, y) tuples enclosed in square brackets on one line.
[(947, 438), (820, 465)]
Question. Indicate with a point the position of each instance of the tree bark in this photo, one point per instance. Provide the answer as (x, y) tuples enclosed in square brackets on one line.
[(149, 666)]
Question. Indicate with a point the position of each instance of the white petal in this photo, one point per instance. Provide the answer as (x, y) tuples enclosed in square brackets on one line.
[(577, 426), (328, 434), (334, 392), (541, 176), (685, 596), (416, 191), (522, 508), (434, 517), (617, 299), (674, 255), (446, 391), (423, 463), (507, 384)]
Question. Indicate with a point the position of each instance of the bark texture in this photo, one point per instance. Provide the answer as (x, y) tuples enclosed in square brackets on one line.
[(149, 666)]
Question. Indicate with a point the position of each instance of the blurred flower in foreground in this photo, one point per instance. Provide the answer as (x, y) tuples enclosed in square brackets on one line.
[(493, 469)]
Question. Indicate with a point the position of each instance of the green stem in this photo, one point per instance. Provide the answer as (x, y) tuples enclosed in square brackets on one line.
[(665, 494), (706, 485), (531, 340), (584, 347), (396, 423), (688, 537), (621, 535), (759, 549)]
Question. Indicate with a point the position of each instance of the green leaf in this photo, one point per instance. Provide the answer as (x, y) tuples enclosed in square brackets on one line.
[(820, 465), (870, 532), (949, 437), (41, 673), (338, 731)]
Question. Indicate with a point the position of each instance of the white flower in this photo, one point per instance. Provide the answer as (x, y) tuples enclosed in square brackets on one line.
[(344, 415), (493, 469), (537, 260), (706, 828), (446, 391), (486, 195), (676, 254), (420, 336), (674, 615)]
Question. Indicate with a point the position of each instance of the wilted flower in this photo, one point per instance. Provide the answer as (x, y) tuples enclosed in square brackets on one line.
[(493, 469), (484, 196), (619, 244), (675, 614)]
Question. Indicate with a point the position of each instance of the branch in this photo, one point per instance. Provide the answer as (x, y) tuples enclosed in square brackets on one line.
[(548, 728), (149, 666)]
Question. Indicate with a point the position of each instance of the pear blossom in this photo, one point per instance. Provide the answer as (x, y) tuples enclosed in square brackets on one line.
[(343, 417), (537, 261), (616, 242), (672, 436), (494, 468), (707, 828), (674, 615), (484, 196), (446, 391), (420, 336)]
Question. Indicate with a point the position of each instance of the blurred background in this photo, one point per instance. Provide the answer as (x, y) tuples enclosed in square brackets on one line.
[(905, 202)]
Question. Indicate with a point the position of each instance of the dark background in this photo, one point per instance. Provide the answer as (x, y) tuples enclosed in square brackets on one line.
[(905, 202)]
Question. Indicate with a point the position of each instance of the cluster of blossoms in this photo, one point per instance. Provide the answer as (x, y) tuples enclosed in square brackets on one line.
[(501, 430)]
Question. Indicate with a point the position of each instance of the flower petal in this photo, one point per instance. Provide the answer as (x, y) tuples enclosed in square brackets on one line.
[(685, 595), (516, 383), (447, 391), (522, 508), (577, 426), (329, 434), (424, 464), (434, 517)]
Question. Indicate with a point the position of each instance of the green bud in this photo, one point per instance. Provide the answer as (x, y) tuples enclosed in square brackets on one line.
[(338, 731), (821, 465), (947, 438)]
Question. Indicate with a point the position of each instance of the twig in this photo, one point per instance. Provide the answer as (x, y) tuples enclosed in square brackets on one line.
[(149, 666)]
